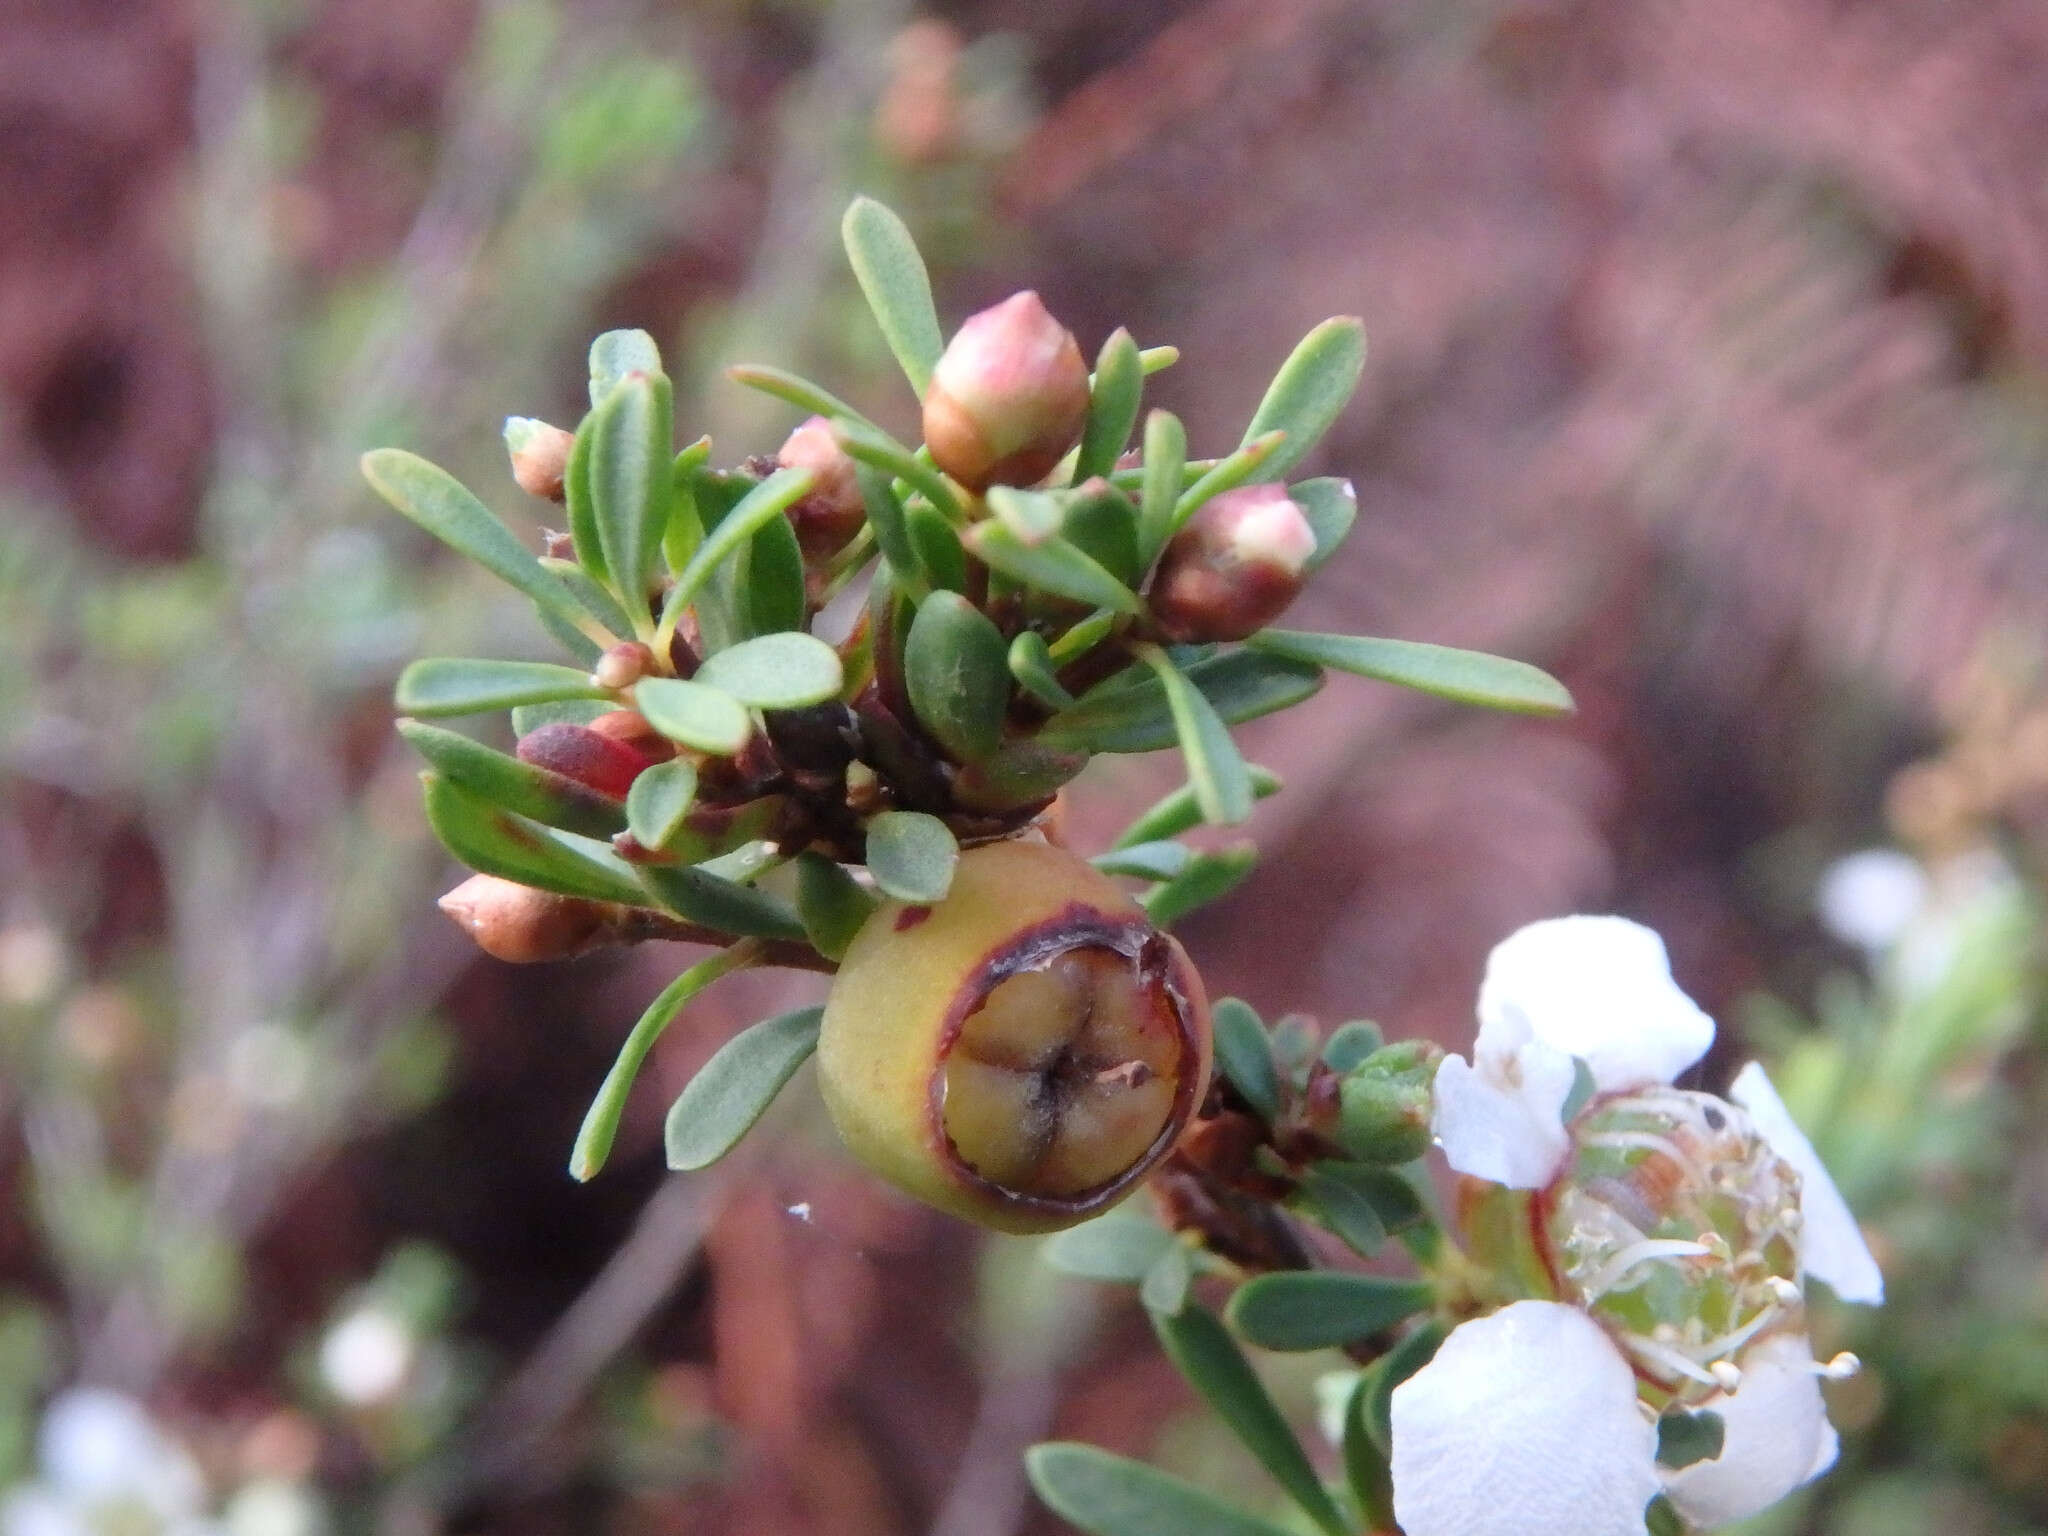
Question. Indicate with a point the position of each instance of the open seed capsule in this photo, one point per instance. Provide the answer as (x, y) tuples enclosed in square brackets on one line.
[(1020, 1054)]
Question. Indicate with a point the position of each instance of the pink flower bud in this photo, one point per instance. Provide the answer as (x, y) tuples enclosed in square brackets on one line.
[(540, 456), (830, 513), (1008, 398), (1234, 566), (623, 665), (518, 923)]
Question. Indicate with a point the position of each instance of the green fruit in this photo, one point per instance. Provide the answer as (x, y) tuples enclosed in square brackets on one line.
[(1021, 1053)]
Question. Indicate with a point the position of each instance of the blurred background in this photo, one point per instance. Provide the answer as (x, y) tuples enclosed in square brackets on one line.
[(1709, 369)]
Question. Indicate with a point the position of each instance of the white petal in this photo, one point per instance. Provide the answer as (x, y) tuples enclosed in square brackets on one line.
[(1831, 1245), (1505, 1125), (1525, 1424), (1777, 1437), (1598, 988), (1868, 899)]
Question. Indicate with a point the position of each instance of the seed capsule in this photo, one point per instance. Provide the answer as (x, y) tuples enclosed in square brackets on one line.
[(1233, 567), (1008, 398), (1020, 1054)]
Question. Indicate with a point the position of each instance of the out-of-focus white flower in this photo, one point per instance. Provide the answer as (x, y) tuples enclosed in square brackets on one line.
[(1674, 1230), (103, 1459), (1868, 899), (273, 1506), (366, 1357)]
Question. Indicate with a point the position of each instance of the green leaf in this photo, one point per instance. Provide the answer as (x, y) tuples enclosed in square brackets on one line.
[(495, 842), (1322, 1308), (1164, 1287), (1082, 637), (1054, 566), (1108, 1495), (801, 393), (1112, 405), (1468, 677), (1177, 812), (601, 1123), (940, 554), (528, 718), (735, 1087), (831, 904), (911, 855), (1396, 1366), (1685, 1438), (1031, 665), (539, 794), (660, 801), (956, 668), (442, 505), (699, 896), (765, 502), (596, 601), (1208, 877), (1227, 474), (1244, 1055), (582, 506), (1146, 861), (1031, 516), (1343, 1208), (1217, 774), (1365, 1465), (451, 685), (1157, 359), (1351, 1043), (616, 354), (630, 487), (1018, 774), (1116, 1247), (1396, 1205), (789, 670), (768, 580), (886, 517), (685, 522), (1166, 457), (1205, 1353), (1102, 522), (1331, 507), (694, 714), (869, 445), (1310, 391), (1136, 717), (892, 276)]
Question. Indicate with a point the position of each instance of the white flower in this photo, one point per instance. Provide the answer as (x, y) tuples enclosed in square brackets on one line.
[(1869, 899), (103, 1459), (1532, 1421), (366, 1357)]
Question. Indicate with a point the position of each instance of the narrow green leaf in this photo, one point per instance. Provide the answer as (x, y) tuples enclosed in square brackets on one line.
[(892, 276), (886, 517), (685, 522), (1164, 1287), (1137, 718), (1322, 1308), (577, 642), (1310, 391), (782, 671), (1166, 456), (699, 896), (1340, 1206), (582, 505), (1108, 1495), (1227, 474), (630, 487), (1112, 405), (1157, 359), (1146, 861), (1177, 812), (1331, 507), (1032, 516), (659, 801), (956, 668), (735, 1087), (601, 1122), (1244, 1055), (528, 718), (1116, 1247), (614, 355), (1399, 1363), (1217, 774), (445, 507), (831, 903), (598, 602), (1351, 1043), (768, 500), (1055, 566), (1205, 1353), (451, 685), (1208, 877), (1395, 1204), (911, 855), (1031, 665), (694, 714), (940, 555), (869, 445), (768, 580), (1468, 677), (539, 794), (1082, 637), (495, 842), (1019, 773), (1685, 1438), (801, 393), (1365, 1465), (1102, 522)]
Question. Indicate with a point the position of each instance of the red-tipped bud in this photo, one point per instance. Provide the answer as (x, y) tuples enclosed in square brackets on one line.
[(591, 757), (623, 665), (830, 513), (1008, 398), (540, 456), (1234, 566), (518, 923)]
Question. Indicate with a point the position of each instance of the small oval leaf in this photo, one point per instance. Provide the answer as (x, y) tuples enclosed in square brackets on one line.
[(1310, 391), (693, 714), (659, 801), (1166, 457), (911, 855), (1031, 664), (1466, 677), (1112, 405), (1244, 1055), (956, 668), (630, 486), (831, 903), (1331, 507), (735, 1087), (1322, 1308), (1115, 1247), (892, 276), (789, 670)]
